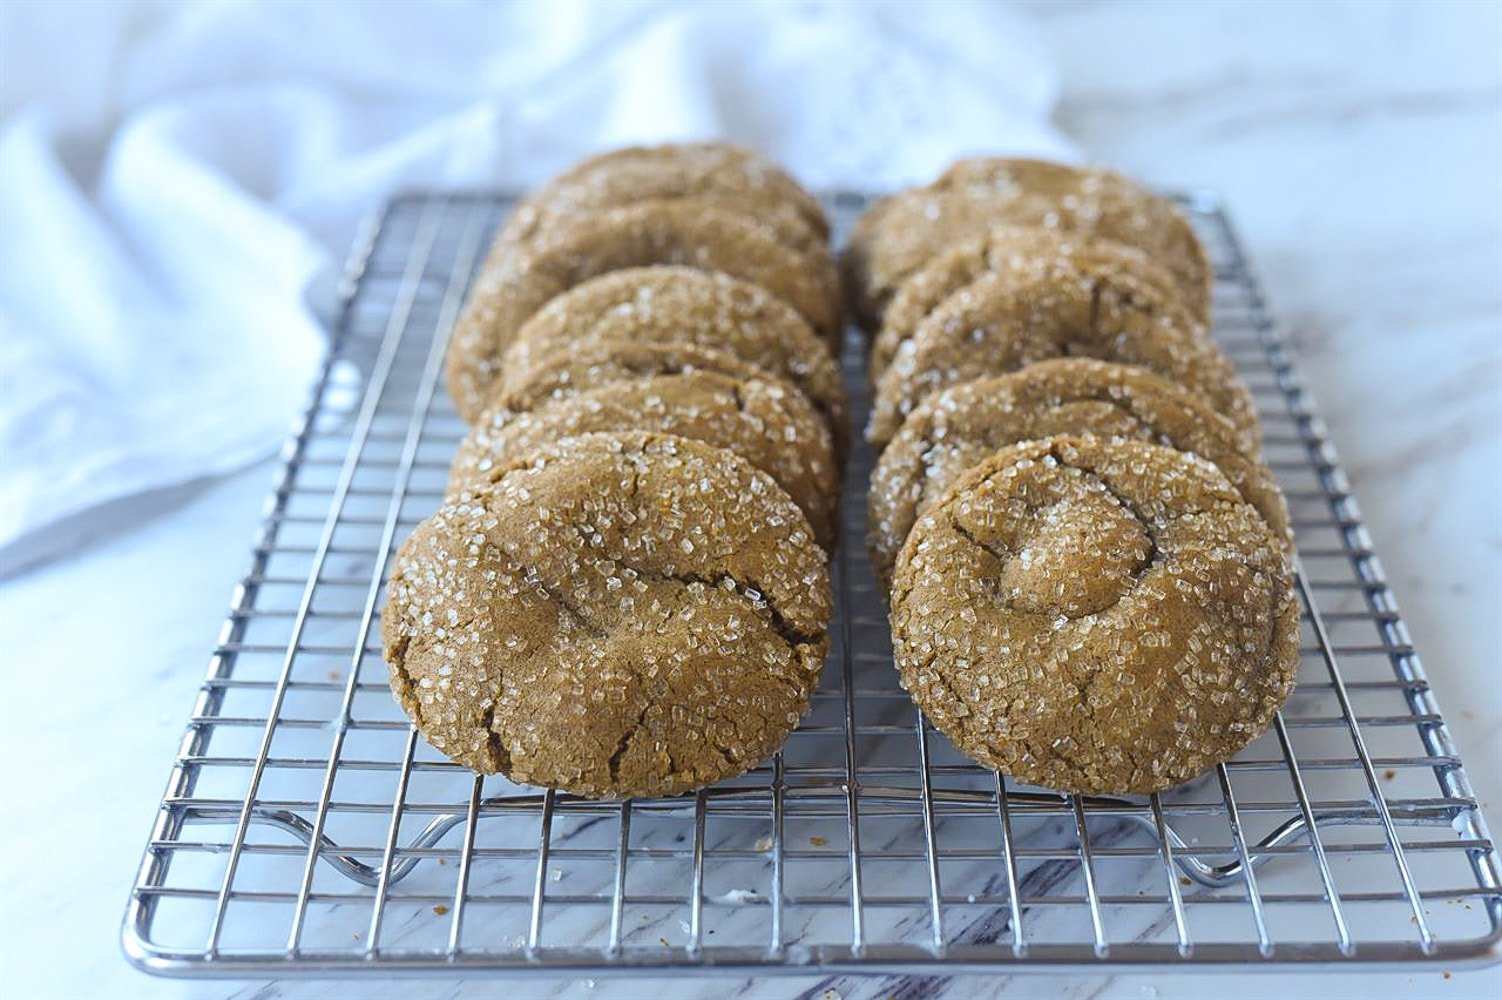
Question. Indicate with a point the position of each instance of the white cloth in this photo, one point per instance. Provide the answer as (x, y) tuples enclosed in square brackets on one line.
[(175, 178)]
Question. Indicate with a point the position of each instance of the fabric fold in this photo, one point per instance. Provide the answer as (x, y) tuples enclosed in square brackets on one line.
[(177, 180)]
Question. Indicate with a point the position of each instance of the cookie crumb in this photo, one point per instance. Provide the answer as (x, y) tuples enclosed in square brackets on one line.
[(440, 909), (817, 841)]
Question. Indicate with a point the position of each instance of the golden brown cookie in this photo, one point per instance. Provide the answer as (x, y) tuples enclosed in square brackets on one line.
[(686, 306), (764, 421), (902, 232), (960, 427), (505, 253), (780, 221), (617, 615), (1006, 321), (567, 371), (1007, 250), (646, 233), (1095, 616), (735, 177)]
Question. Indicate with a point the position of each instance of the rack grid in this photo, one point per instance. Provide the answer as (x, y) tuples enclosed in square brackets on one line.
[(306, 828)]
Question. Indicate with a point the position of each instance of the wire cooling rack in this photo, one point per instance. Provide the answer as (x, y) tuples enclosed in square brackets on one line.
[(306, 829)]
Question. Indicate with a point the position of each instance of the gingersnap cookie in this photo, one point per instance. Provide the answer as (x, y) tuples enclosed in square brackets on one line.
[(616, 615), (1095, 616), (731, 177), (1016, 250), (960, 427), (902, 232), (652, 232), (686, 306), (566, 371), (1004, 322), (764, 421)]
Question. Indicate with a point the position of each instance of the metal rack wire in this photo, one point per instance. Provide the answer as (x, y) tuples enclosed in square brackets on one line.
[(307, 830)]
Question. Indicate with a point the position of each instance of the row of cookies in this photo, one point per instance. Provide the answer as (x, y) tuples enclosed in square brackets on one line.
[(1087, 562), (626, 591)]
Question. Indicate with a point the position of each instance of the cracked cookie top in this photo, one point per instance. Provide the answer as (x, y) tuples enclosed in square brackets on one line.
[(565, 371), (960, 427), (736, 178), (686, 306), (515, 287), (765, 421), (615, 615), (1064, 307), (1015, 250), (1095, 616), (904, 231)]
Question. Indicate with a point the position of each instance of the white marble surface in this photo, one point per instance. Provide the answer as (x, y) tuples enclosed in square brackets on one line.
[(1361, 152)]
